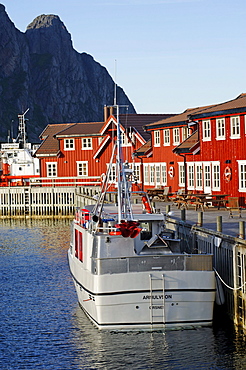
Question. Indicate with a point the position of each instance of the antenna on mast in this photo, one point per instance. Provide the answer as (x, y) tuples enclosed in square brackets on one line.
[(115, 84)]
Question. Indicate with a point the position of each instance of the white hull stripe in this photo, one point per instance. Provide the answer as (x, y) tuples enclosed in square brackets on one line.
[(139, 291)]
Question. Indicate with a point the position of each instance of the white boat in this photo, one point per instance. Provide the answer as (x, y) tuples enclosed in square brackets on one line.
[(128, 269)]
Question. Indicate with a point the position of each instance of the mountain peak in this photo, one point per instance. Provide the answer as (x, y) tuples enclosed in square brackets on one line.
[(46, 20)]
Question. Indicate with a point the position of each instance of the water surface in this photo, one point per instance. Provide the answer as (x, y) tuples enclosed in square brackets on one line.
[(42, 326)]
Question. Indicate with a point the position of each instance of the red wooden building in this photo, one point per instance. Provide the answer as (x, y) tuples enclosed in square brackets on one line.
[(79, 151), (201, 149)]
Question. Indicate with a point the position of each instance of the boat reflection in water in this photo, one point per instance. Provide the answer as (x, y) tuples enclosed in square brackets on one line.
[(128, 269)]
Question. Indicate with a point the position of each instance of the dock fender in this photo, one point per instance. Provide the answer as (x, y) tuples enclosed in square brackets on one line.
[(219, 295)]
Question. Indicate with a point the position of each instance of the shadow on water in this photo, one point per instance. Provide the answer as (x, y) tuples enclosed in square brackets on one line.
[(43, 327)]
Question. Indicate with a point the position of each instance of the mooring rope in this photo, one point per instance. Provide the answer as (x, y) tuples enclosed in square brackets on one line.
[(229, 287)]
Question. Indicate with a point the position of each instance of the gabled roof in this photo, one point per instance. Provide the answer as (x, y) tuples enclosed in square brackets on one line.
[(50, 145), (177, 119), (145, 150), (191, 145), (139, 121), (232, 106), (80, 129)]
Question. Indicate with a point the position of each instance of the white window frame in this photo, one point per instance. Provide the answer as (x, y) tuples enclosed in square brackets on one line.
[(51, 169), (152, 174), (86, 143), (220, 129), (158, 174), (81, 172), (136, 170), (157, 139), (166, 137), (164, 173), (206, 130), (207, 175), (235, 127), (242, 176), (69, 144), (199, 175), (112, 175), (215, 176), (185, 133), (190, 175), (181, 174), (146, 174), (176, 136)]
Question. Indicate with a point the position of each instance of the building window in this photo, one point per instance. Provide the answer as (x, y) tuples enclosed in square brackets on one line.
[(235, 127), (176, 138), (220, 128), (137, 171), (164, 173), (82, 168), (146, 174), (190, 175), (112, 174), (185, 133), (181, 175), (216, 176), (152, 174), (198, 176), (166, 134), (207, 176), (157, 138), (86, 143), (206, 130), (242, 175), (157, 174), (68, 144), (51, 168)]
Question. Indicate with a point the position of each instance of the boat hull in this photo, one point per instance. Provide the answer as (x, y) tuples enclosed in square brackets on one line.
[(147, 300)]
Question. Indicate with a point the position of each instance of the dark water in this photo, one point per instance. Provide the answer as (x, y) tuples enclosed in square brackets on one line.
[(42, 326)]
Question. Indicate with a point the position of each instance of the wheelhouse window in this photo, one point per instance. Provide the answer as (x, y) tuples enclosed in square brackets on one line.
[(157, 138), (82, 168), (69, 144), (176, 137), (220, 128), (166, 134), (235, 127), (51, 168), (206, 130), (86, 143)]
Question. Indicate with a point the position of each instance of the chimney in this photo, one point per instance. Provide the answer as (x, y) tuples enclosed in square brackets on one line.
[(108, 111)]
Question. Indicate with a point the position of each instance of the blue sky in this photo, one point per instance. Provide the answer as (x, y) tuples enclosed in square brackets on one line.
[(170, 54)]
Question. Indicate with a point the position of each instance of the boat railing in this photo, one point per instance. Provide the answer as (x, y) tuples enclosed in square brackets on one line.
[(138, 263)]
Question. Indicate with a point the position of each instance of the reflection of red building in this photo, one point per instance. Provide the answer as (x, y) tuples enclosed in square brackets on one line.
[(201, 149), (82, 151)]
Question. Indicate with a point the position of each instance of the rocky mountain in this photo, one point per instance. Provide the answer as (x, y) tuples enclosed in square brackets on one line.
[(40, 70)]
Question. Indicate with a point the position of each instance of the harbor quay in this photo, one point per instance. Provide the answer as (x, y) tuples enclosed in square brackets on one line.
[(211, 231)]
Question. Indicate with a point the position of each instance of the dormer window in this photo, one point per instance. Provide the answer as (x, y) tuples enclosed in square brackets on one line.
[(68, 144)]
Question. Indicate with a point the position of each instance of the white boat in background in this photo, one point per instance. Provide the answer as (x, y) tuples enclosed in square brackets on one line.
[(17, 163), (128, 269)]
